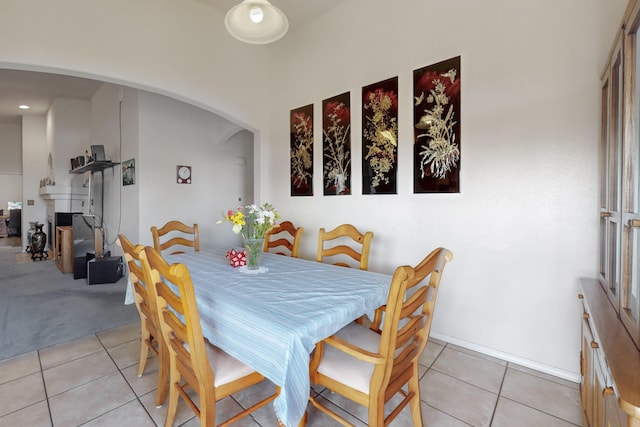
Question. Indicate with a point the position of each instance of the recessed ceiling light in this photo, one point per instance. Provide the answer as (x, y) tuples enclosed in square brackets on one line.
[(23, 107)]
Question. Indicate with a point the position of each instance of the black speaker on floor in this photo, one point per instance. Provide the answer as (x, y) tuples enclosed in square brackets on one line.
[(108, 269), (80, 265)]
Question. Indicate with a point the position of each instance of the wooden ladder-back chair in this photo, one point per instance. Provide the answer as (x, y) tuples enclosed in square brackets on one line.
[(150, 333), (371, 365), (193, 362), (342, 234), (188, 238), (284, 239)]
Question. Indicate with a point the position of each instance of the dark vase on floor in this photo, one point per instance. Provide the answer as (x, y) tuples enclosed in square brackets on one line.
[(38, 243)]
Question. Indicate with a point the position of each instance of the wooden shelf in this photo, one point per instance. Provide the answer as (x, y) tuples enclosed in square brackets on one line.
[(96, 166), (63, 250)]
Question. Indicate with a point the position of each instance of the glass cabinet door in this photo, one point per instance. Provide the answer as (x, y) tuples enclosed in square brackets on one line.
[(629, 298), (611, 176)]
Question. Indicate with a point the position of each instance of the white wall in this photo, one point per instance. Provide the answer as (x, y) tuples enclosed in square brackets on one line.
[(173, 133), (34, 166), (69, 135), (129, 209), (160, 133), (10, 164), (523, 229), (10, 138), (106, 124)]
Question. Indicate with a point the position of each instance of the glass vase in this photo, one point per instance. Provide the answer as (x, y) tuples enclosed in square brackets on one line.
[(253, 251)]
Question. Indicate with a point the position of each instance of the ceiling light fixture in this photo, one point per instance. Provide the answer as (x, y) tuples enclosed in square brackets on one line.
[(23, 107), (256, 22)]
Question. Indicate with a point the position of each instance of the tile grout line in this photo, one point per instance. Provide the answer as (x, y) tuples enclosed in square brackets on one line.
[(104, 348), (495, 407), (137, 398), (44, 385), (430, 367), (498, 395), (529, 406)]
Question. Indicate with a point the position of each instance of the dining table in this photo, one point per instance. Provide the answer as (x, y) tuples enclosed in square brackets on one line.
[(272, 319)]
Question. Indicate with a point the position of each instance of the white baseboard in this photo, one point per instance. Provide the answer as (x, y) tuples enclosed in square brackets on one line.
[(550, 370)]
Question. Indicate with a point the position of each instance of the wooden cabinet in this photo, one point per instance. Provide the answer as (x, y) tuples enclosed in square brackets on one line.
[(619, 241), (610, 360), (596, 383), (63, 250), (609, 363), (587, 373)]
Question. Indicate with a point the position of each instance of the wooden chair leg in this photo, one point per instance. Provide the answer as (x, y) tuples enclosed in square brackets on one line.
[(144, 351), (303, 421), (416, 408), (172, 407), (207, 410), (376, 413), (163, 375)]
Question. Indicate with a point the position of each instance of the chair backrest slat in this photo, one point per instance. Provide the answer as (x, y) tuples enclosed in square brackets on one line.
[(285, 235), (191, 240), (408, 316), (145, 301), (180, 323), (347, 241)]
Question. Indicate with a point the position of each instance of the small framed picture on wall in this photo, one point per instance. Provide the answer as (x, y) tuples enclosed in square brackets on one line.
[(129, 172)]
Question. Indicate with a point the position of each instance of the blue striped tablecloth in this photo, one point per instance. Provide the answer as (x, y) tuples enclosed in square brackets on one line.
[(271, 321)]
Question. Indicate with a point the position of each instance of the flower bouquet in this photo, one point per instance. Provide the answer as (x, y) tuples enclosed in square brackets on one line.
[(253, 222)]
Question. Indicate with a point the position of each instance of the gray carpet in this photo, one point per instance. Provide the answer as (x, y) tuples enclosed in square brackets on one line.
[(40, 306)]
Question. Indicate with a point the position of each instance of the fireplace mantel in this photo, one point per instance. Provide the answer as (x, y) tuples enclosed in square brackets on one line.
[(63, 192)]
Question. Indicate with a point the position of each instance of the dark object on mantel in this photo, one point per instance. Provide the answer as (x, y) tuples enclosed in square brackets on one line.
[(94, 166)]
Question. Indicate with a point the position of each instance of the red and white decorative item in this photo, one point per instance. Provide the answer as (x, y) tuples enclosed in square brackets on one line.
[(237, 258)]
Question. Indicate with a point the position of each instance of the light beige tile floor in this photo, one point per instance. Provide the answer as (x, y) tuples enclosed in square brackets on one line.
[(92, 382)]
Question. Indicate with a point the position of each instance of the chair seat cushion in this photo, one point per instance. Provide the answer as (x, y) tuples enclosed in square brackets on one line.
[(225, 368), (347, 369)]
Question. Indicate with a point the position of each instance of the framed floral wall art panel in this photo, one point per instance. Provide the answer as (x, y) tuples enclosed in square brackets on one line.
[(301, 122), (380, 137), (436, 118), (336, 144)]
